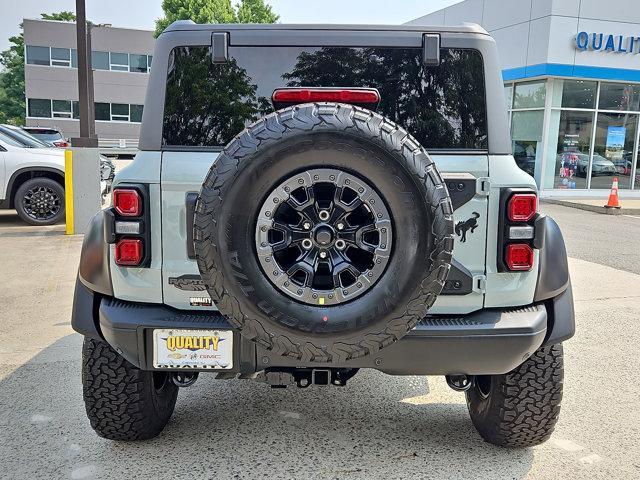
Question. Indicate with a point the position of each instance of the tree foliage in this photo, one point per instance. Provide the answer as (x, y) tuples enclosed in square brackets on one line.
[(215, 11), (219, 99), (12, 93), (439, 105)]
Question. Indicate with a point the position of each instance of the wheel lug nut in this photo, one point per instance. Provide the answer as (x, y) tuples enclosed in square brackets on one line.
[(340, 226), (306, 225), (323, 254)]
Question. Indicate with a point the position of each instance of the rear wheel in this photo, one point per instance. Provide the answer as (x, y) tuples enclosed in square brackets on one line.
[(40, 201), (122, 401), (520, 408)]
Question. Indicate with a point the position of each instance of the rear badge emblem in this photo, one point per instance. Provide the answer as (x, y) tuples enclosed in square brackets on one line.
[(465, 226), (189, 283)]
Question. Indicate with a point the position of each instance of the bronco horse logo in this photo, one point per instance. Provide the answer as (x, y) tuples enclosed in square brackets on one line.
[(467, 225)]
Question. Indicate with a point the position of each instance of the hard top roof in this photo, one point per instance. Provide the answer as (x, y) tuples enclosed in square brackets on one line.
[(189, 25)]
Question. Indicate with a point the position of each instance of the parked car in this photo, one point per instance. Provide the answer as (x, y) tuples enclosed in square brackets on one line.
[(32, 177), (287, 225), (24, 138), (49, 135), (32, 180)]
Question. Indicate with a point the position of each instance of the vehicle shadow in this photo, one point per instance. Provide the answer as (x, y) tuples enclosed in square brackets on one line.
[(11, 225), (377, 426)]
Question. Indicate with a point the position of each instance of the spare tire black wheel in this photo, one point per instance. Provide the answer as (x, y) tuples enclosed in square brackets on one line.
[(324, 232)]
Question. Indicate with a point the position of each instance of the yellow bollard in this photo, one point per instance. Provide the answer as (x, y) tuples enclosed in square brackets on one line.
[(68, 191)]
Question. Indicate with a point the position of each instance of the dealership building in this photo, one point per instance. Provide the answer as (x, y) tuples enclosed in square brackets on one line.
[(121, 61), (571, 71)]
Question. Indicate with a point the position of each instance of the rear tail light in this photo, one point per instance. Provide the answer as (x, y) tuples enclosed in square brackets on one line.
[(294, 96), (62, 143), (517, 234), (522, 207), (519, 257), (128, 252), (127, 202), (127, 226)]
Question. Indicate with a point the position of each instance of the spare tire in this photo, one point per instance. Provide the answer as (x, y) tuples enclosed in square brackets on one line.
[(324, 232)]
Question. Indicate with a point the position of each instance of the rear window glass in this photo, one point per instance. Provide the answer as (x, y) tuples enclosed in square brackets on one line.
[(207, 104), (46, 135)]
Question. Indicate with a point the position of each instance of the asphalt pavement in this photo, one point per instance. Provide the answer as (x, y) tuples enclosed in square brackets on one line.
[(377, 426), (610, 240)]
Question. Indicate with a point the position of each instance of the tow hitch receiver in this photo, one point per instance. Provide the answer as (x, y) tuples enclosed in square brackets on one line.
[(303, 377)]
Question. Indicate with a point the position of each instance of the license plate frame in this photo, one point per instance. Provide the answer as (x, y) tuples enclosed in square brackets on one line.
[(192, 349)]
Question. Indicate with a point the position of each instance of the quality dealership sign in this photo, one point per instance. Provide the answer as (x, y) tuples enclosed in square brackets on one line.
[(607, 43)]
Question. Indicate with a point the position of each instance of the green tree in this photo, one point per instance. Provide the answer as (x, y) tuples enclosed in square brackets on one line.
[(438, 105), (219, 98), (12, 106), (215, 11), (255, 11)]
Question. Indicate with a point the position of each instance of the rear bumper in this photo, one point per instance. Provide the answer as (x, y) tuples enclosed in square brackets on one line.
[(484, 342)]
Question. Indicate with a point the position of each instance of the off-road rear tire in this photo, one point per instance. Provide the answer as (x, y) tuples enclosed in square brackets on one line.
[(307, 140), (122, 401), (519, 409)]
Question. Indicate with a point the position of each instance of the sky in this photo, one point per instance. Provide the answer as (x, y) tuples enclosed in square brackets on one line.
[(143, 13)]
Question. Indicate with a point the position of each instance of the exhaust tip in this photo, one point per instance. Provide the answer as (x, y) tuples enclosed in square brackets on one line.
[(459, 383)]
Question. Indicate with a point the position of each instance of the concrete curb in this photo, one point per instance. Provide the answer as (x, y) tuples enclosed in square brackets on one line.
[(593, 208)]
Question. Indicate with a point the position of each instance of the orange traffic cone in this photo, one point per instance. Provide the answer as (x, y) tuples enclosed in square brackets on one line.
[(613, 196)]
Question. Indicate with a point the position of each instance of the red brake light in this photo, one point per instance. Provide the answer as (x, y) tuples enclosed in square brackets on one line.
[(127, 202), (305, 95), (129, 252), (519, 257), (62, 144), (522, 207)]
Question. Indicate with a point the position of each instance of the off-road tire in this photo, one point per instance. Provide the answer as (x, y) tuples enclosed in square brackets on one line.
[(31, 183), (376, 148), (121, 400), (522, 406)]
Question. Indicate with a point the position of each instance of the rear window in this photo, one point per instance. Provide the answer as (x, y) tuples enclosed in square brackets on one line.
[(207, 104), (46, 135)]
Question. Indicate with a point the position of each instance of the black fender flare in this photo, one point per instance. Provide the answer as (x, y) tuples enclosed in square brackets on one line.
[(94, 278), (553, 271), (554, 283)]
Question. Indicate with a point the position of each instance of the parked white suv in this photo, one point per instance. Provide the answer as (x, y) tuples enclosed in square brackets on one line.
[(32, 177), (31, 180)]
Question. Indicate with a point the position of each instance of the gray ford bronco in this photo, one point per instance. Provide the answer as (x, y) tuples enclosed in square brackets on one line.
[(312, 200)]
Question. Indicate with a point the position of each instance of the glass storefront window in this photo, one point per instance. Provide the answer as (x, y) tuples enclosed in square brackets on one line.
[(575, 94), (508, 96), (572, 149), (613, 150), (529, 95), (526, 134), (619, 96)]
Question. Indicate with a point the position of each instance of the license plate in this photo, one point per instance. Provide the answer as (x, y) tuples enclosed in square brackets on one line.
[(193, 349)]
